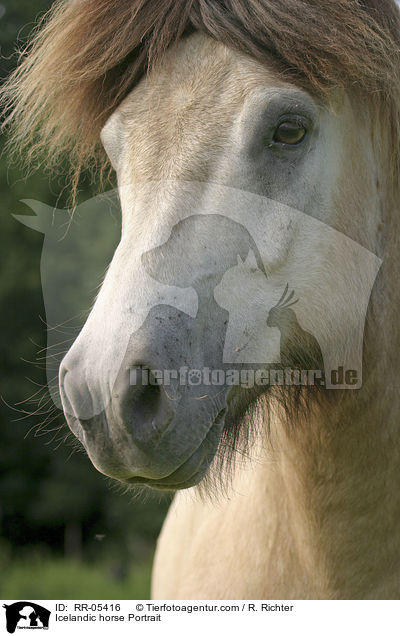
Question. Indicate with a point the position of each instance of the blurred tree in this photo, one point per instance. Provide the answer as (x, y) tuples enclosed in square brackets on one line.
[(17, 17), (48, 496)]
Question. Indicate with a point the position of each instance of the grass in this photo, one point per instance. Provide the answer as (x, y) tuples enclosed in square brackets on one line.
[(56, 578)]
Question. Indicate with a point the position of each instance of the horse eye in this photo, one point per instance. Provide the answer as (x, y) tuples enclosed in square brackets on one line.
[(290, 132)]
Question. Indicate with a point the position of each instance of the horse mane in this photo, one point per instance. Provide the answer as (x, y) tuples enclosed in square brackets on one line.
[(85, 56)]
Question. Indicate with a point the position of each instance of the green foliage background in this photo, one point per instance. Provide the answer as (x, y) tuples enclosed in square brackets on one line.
[(65, 531)]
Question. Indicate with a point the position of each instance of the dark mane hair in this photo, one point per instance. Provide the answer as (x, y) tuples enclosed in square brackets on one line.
[(86, 55)]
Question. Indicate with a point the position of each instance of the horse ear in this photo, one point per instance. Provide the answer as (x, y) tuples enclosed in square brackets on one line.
[(239, 260), (251, 260), (112, 139)]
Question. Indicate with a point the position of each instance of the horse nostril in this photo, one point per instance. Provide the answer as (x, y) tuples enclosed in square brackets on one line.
[(61, 376), (66, 403), (139, 407), (143, 403)]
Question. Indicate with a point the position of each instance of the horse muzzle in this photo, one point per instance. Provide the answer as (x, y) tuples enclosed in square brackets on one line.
[(157, 425)]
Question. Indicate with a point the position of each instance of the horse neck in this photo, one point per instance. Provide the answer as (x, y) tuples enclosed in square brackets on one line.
[(329, 482), (333, 476)]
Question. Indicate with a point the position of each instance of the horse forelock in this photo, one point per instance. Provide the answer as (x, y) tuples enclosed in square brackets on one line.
[(63, 92)]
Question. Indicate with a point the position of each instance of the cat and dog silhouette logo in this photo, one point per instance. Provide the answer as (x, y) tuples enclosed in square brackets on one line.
[(230, 253), (26, 615)]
